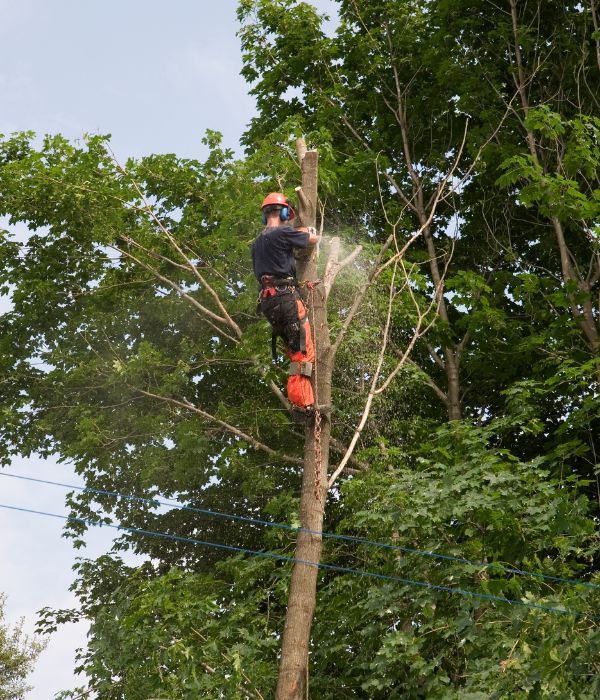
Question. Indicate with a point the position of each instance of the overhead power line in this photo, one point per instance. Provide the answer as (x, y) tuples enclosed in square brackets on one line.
[(496, 566), (327, 567)]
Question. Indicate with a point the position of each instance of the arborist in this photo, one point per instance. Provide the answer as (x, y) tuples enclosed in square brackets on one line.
[(280, 301)]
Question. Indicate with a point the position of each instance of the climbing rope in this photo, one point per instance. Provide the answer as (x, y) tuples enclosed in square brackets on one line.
[(318, 456), (317, 422), (309, 284)]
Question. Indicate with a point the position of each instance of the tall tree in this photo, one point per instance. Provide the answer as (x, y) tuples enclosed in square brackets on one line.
[(402, 88), (455, 148)]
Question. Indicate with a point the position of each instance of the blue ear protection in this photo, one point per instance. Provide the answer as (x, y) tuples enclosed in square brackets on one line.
[(284, 215)]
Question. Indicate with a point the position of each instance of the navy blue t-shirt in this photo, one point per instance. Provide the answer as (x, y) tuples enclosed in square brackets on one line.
[(273, 251)]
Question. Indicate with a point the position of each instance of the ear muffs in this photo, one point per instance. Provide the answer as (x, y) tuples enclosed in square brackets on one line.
[(286, 213)]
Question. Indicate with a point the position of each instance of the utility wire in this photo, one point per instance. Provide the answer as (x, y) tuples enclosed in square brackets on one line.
[(328, 535), (327, 567)]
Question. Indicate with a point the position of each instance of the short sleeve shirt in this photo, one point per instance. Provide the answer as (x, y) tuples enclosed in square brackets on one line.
[(273, 251)]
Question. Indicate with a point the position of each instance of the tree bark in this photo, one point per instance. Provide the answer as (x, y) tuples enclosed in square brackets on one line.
[(292, 682), (451, 356), (453, 394)]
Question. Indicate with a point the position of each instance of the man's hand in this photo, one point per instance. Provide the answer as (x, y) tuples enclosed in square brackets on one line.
[(313, 237)]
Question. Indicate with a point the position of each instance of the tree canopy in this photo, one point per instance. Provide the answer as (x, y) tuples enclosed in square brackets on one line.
[(18, 654), (460, 147)]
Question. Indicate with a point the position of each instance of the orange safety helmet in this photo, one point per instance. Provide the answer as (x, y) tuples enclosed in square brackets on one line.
[(286, 213)]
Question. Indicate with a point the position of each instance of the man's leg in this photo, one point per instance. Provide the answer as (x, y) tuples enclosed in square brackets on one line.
[(299, 387)]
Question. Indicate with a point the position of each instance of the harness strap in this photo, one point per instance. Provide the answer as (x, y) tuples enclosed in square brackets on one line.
[(302, 368), (267, 281), (283, 307), (302, 335)]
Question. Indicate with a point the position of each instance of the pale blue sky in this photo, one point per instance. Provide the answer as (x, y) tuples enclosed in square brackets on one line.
[(155, 75)]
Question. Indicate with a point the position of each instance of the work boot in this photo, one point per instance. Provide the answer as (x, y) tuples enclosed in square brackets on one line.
[(300, 414), (306, 414), (323, 408)]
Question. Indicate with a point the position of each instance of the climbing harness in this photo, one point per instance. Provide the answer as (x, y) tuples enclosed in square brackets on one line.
[(281, 303), (278, 300)]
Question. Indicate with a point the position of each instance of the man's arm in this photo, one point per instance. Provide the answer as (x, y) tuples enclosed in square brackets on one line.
[(312, 234)]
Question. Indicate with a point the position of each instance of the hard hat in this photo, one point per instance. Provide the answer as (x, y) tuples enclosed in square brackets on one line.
[(287, 212)]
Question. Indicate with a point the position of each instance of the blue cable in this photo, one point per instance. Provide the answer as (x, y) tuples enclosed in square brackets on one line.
[(328, 567), (324, 534)]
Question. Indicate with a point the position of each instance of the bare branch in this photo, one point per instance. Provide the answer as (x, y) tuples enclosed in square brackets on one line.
[(302, 197), (342, 449), (280, 395), (332, 260), (226, 426), (349, 259), (153, 254), (207, 314), (416, 334), (169, 236)]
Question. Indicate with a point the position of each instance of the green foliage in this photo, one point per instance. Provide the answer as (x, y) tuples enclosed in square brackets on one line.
[(91, 327), (515, 483), (18, 655), (177, 636), (458, 494), (463, 497), (568, 193)]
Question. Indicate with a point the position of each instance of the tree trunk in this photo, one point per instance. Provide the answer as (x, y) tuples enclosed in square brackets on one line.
[(453, 394), (293, 668), (585, 316), (451, 356)]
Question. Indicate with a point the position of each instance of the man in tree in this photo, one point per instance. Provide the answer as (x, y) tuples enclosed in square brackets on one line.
[(280, 301)]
